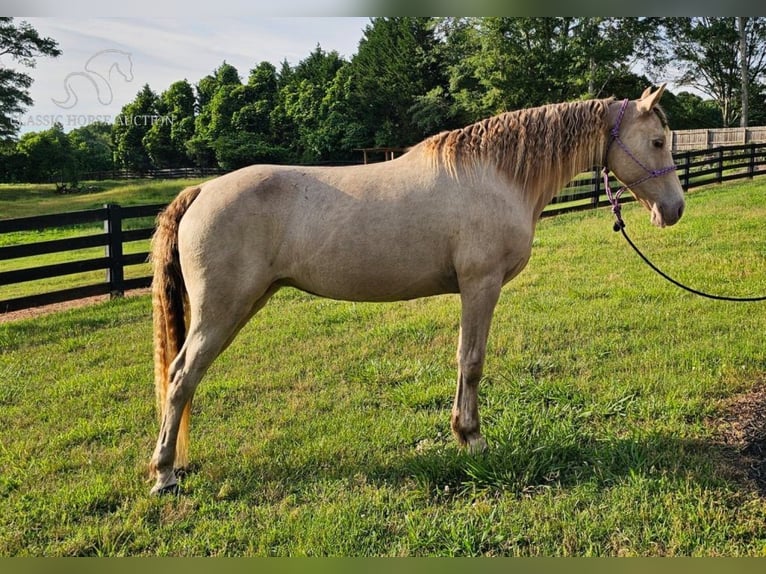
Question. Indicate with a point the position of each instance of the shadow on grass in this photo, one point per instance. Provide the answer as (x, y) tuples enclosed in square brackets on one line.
[(530, 450), (444, 469), (604, 463)]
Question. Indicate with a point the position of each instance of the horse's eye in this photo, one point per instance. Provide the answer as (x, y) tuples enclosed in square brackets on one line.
[(658, 143)]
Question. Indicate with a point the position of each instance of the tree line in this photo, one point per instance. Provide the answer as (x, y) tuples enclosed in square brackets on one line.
[(410, 77)]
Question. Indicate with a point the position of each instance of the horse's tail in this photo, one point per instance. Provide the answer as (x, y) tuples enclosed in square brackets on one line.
[(169, 308)]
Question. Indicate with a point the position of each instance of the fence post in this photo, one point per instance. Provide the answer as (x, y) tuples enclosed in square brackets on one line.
[(687, 168), (720, 164), (113, 227), (751, 162), (596, 188)]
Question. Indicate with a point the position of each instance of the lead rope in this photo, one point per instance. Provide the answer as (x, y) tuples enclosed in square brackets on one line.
[(619, 225)]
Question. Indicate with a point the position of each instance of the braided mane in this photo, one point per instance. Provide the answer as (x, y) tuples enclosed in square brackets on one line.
[(539, 149)]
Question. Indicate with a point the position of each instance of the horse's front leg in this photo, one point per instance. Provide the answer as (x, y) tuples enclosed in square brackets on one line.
[(478, 301)]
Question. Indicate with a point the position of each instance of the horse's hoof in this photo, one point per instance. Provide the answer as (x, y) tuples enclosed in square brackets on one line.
[(168, 489), (477, 445)]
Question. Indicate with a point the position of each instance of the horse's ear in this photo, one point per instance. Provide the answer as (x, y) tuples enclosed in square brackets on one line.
[(648, 99)]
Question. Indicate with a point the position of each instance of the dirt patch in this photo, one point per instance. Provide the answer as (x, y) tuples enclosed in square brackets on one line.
[(742, 429), (57, 307)]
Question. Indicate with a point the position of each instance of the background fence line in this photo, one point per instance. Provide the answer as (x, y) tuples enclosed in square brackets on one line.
[(113, 263), (165, 173), (695, 168), (688, 140)]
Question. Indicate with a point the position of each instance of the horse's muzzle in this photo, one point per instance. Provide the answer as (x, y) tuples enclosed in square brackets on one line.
[(664, 215)]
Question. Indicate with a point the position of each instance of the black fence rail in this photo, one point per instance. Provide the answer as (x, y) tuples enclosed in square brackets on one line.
[(695, 168), (113, 261), (165, 173)]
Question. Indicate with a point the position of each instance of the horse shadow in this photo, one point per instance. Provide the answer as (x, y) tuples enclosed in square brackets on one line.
[(524, 471), (444, 470)]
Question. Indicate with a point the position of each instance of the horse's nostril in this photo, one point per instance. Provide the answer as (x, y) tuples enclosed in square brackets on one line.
[(681, 210)]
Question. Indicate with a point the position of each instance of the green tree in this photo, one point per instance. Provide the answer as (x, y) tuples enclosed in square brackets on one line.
[(499, 64), (200, 147), (253, 137), (48, 156), (284, 129), (165, 142), (233, 127), (398, 63), (687, 111), (302, 105), (22, 44), (339, 131), (603, 50), (131, 126), (707, 52), (12, 162), (91, 146)]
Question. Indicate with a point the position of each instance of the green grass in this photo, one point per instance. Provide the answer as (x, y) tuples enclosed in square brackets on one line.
[(23, 200), (324, 428)]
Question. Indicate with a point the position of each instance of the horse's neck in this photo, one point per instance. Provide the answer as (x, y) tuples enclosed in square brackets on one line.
[(549, 188), (552, 176)]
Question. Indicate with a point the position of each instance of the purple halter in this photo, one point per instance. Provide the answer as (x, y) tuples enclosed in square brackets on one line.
[(614, 197)]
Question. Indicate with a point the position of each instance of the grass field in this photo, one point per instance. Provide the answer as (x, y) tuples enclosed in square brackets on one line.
[(324, 428), (22, 200)]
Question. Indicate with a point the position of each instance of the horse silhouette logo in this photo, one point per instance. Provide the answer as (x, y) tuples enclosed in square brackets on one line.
[(98, 72)]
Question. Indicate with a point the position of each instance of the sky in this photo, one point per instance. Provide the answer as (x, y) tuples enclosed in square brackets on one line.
[(107, 60)]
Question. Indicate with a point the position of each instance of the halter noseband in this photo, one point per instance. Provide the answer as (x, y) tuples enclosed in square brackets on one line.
[(614, 197)]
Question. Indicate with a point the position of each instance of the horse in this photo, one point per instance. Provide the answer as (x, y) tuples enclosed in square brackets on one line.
[(455, 214)]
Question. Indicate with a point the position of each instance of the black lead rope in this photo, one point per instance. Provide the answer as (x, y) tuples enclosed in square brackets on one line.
[(620, 226)]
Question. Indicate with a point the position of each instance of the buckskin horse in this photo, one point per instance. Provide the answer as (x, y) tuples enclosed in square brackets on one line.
[(455, 214)]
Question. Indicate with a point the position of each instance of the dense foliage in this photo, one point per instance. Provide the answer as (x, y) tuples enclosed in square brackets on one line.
[(21, 44), (410, 77)]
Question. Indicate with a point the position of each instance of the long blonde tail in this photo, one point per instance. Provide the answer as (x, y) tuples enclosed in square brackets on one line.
[(169, 308)]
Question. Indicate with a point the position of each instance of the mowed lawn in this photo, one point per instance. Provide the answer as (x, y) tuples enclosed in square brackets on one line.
[(324, 428)]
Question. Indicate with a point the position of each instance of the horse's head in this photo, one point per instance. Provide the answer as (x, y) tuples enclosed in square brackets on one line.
[(639, 155), (124, 65)]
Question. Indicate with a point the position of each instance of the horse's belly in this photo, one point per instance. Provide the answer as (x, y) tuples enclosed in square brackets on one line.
[(355, 285), (361, 279)]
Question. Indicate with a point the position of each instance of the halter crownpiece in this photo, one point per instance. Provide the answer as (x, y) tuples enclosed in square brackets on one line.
[(612, 196)]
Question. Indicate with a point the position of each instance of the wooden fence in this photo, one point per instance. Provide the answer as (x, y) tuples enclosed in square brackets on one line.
[(686, 140), (169, 173), (113, 261), (695, 168)]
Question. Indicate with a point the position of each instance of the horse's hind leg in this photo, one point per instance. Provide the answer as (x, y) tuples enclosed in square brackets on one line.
[(211, 330), (186, 371)]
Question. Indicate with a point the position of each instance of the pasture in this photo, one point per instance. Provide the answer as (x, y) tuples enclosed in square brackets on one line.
[(610, 404)]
